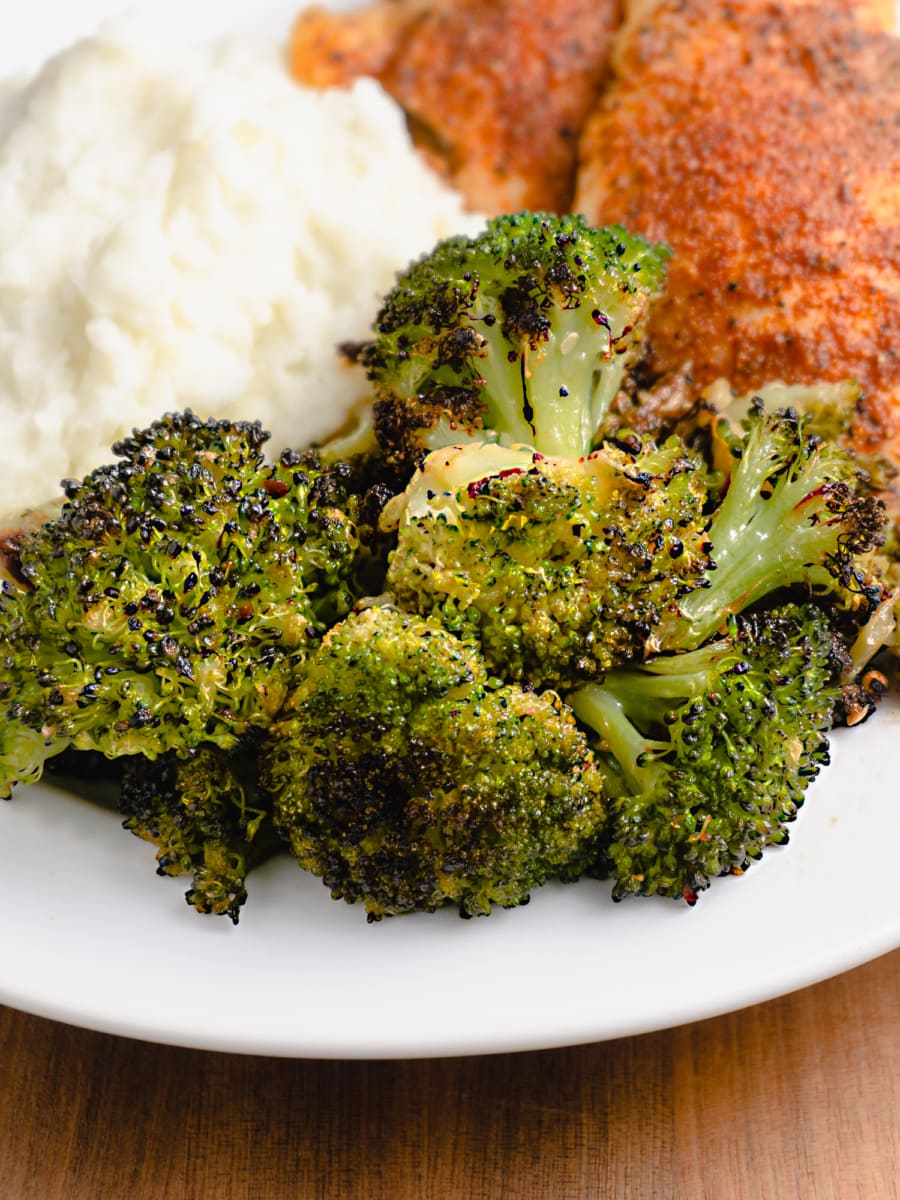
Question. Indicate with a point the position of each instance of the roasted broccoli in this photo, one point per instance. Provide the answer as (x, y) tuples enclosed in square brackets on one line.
[(407, 778), (203, 813), (560, 568), (794, 514), (173, 597), (522, 333), (707, 754), (833, 412), (563, 568), (349, 650)]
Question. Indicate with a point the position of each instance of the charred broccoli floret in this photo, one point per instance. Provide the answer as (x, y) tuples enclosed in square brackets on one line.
[(173, 597), (205, 817), (523, 332), (407, 778), (560, 568), (359, 487), (793, 514), (707, 754), (833, 412), (564, 568)]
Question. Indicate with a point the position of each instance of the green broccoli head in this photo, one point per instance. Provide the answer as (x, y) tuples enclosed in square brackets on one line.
[(560, 568), (407, 778), (204, 815), (173, 597), (795, 514), (707, 754), (523, 332)]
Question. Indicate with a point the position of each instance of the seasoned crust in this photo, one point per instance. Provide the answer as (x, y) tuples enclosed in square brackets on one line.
[(496, 94), (331, 49), (762, 141)]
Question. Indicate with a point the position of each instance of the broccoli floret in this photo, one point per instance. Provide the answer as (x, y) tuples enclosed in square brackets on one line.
[(560, 568), (358, 486), (523, 332), (707, 754), (564, 568), (833, 412), (172, 599), (793, 514), (205, 816), (407, 778)]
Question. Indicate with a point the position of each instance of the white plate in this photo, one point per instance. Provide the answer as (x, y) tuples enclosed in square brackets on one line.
[(91, 936)]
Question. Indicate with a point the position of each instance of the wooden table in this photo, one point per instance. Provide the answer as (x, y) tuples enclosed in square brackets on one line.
[(795, 1099)]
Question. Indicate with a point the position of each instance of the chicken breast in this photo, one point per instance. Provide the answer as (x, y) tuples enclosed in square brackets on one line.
[(496, 94), (761, 140), (331, 49)]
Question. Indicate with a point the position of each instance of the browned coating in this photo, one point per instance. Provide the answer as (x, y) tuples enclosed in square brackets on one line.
[(330, 49), (496, 93), (762, 141)]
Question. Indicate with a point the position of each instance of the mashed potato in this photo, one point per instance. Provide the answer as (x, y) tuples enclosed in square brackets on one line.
[(189, 228)]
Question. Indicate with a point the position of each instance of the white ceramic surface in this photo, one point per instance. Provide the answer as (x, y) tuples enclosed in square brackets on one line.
[(90, 935)]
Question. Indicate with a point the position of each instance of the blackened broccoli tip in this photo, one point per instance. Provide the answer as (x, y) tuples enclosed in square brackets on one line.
[(708, 754), (174, 596), (794, 514), (832, 412), (408, 779), (203, 814), (559, 568), (522, 333)]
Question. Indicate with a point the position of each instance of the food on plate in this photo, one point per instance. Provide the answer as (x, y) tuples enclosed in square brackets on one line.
[(831, 411), (203, 812), (331, 48), (526, 330), (189, 228), (828, 411), (171, 600), (495, 93), (762, 142), (707, 754), (565, 568), (795, 513), (555, 605), (560, 567), (412, 681), (409, 777)]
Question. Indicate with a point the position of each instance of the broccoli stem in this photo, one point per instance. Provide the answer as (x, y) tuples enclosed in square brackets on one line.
[(774, 549), (647, 694), (355, 438), (644, 697), (603, 712), (783, 521), (533, 389), (524, 332)]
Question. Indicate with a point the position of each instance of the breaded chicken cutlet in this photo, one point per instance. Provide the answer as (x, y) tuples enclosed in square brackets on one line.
[(496, 94), (761, 140)]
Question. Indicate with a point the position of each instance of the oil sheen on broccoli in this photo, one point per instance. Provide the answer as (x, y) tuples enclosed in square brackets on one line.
[(795, 513), (173, 597), (560, 568), (408, 779), (523, 332), (707, 754), (564, 568)]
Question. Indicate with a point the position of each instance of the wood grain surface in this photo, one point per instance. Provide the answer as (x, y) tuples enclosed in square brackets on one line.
[(792, 1099)]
